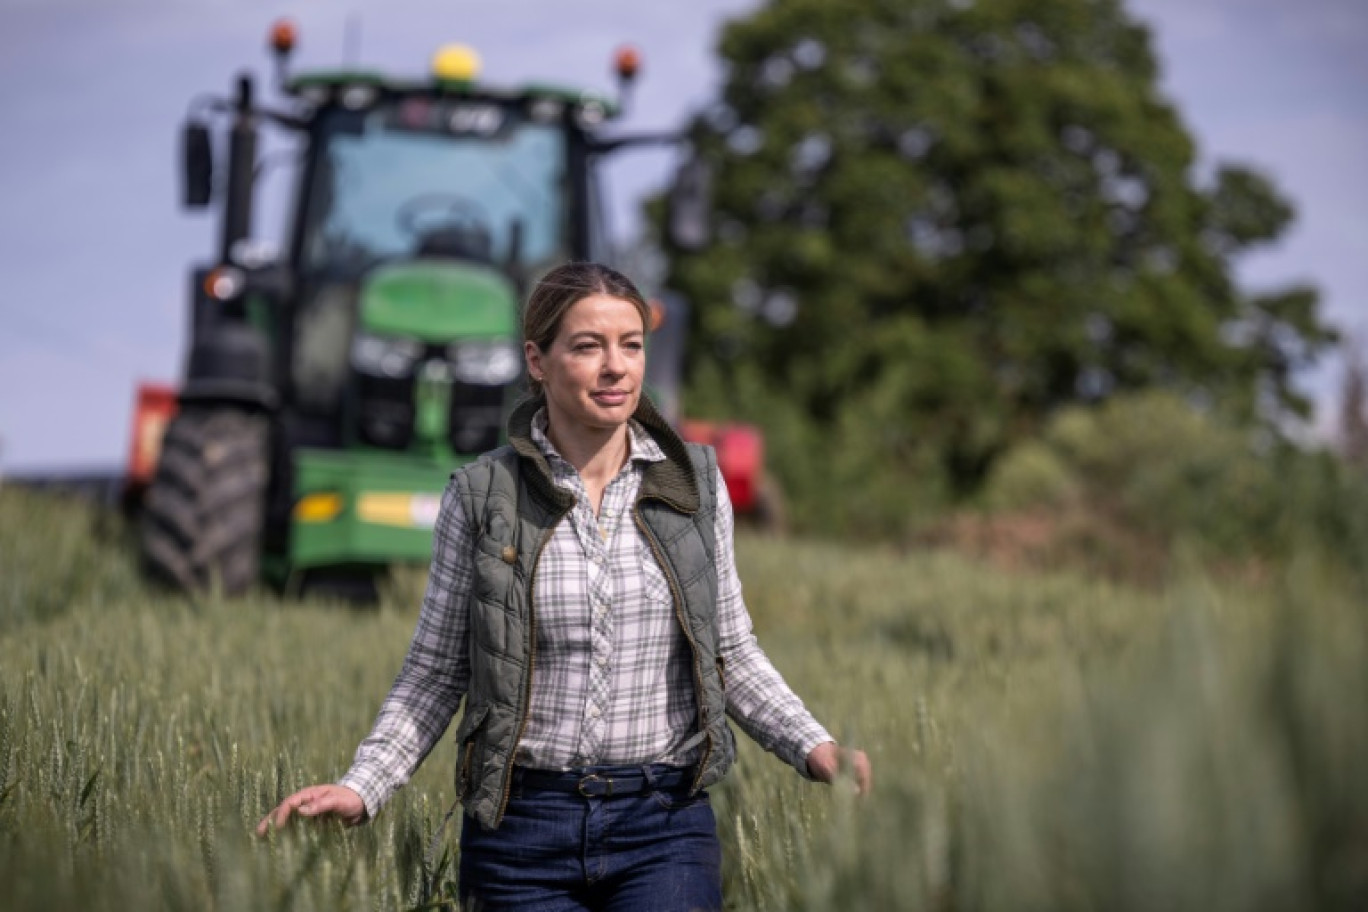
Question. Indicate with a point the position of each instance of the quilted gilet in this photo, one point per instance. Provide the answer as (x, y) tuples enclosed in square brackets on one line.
[(515, 506)]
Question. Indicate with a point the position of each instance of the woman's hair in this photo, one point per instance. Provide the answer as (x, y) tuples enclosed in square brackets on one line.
[(562, 288)]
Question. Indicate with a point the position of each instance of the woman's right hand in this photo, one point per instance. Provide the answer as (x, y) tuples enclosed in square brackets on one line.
[(828, 760), (316, 801)]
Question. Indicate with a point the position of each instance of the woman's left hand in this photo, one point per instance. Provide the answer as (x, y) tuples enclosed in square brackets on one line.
[(827, 760)]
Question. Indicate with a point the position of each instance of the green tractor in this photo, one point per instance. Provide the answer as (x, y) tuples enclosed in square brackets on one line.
[(330, 391)]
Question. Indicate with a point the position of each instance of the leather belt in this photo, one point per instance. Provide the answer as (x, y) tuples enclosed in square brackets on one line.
[(604, 783)]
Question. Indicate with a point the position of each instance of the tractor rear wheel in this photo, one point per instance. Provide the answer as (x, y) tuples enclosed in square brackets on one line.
[(205, 509)]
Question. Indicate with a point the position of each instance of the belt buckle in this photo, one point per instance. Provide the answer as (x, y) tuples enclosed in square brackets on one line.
[(594, 777)]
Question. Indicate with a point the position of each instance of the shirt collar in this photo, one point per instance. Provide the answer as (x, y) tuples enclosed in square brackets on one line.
[(641, 445)]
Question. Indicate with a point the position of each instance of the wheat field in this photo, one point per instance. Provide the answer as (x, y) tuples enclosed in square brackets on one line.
[(1039, 741)]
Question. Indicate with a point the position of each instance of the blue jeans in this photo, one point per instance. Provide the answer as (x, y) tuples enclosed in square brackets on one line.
[(654, 850)]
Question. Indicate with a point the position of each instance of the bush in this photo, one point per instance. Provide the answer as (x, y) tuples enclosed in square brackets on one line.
[(1030, 476), (870, 477), (1164, 470)]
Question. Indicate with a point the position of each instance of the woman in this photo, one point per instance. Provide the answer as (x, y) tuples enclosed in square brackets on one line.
[(583, 599)]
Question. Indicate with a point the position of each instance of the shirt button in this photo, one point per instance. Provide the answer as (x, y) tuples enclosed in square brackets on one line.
[(594, 712)]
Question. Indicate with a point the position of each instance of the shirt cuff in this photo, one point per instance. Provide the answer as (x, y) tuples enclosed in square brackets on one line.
[(373, 787)]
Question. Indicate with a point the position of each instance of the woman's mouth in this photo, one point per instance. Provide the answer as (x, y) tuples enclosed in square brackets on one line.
[(610, 397)]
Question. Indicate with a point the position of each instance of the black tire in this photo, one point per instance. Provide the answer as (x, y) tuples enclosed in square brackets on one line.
[(204, 513)]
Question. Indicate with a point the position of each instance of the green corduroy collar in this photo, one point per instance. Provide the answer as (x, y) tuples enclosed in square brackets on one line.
[(671, 480)]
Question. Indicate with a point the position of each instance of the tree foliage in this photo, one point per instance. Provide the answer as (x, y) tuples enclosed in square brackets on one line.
[(937, 222)]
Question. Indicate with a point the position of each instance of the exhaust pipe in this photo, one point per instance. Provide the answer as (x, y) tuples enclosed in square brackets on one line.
[(242, 142)]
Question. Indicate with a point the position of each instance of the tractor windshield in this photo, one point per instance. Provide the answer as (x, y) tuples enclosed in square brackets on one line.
[(420, 177)]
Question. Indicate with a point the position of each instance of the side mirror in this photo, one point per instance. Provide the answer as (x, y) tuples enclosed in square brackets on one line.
[(198, 163), (689, 214), (513, 259)]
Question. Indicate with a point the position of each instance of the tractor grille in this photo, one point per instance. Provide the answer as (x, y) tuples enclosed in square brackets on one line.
[(385, 411), (476, 417)]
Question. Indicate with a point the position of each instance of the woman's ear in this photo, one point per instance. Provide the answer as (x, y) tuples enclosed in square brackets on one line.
[(533, 356)]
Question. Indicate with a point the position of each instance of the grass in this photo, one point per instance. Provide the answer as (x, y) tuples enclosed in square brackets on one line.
[(1042, 741)]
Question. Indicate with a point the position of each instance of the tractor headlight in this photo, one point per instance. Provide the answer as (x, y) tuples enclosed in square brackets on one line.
[(485, 363), (385, 356)]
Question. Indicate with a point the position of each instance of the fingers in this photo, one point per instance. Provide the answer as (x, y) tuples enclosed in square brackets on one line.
[(864, 773), (277, 817), (855, 764), (315, 801), (829, 761), (306, 802), (273, 820)]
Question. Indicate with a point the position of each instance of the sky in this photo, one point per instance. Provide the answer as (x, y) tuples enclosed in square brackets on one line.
[(95, 250)]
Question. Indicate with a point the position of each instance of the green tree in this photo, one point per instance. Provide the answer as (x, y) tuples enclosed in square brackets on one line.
[(937, 222)]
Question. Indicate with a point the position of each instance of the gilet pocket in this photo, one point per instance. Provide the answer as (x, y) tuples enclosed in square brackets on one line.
[(472, 723)]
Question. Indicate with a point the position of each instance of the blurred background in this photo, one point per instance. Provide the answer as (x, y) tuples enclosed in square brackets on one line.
[(95, 249), (945, 245)]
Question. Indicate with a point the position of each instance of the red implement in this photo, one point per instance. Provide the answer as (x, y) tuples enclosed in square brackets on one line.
[(740, 456), (156, 405)]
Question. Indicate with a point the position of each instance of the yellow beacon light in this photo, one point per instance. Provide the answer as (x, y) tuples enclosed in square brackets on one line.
[(455, 63)]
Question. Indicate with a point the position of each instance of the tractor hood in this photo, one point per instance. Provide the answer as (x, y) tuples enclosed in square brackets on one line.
[(438, 301)]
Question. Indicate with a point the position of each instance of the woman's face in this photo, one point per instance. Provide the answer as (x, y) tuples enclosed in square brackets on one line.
[(593, 371)]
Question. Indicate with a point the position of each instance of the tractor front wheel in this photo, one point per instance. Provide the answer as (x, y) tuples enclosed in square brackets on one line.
[(205, 509)]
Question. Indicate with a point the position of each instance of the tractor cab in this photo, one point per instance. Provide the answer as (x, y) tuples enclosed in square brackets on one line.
[(421, 218)]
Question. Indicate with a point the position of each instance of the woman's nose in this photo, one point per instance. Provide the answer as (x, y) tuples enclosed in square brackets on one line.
[(614, 360)]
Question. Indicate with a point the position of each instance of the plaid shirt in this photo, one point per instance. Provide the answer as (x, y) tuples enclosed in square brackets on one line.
[(613, 682)]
